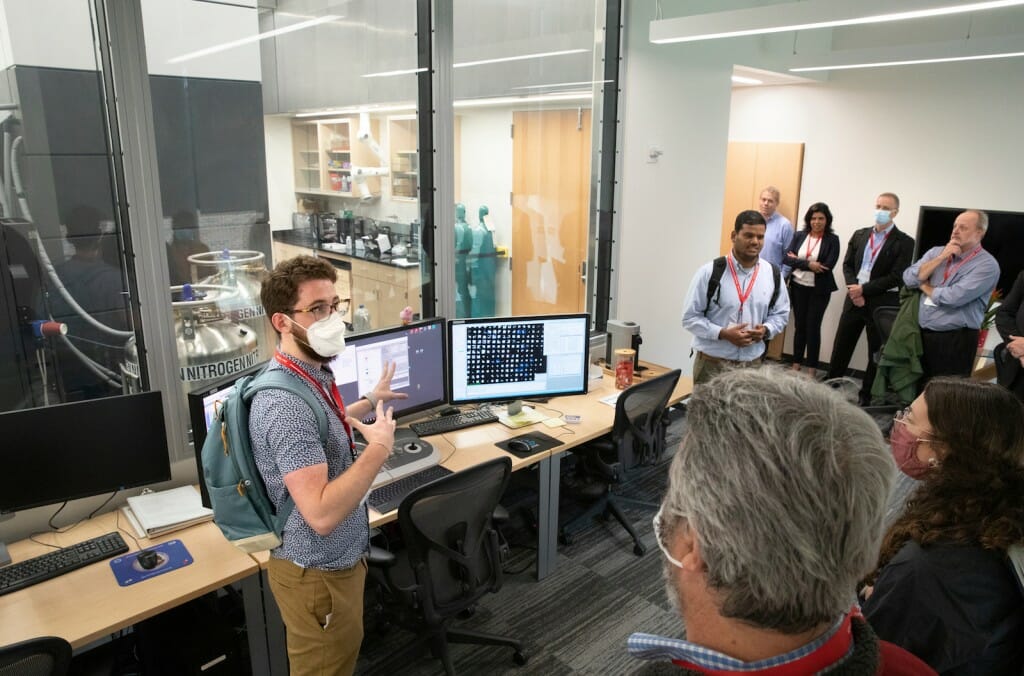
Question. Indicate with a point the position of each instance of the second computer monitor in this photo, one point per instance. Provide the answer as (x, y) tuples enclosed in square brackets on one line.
[(418, 352), (518, 357)]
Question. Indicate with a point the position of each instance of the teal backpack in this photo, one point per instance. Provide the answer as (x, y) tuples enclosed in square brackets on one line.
[(241, 507)]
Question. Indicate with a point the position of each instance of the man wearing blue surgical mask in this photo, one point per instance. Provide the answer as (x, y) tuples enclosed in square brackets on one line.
[(875, 260), (318, 571)]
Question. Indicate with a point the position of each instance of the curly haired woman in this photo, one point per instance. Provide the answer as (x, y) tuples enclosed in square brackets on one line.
[(945, 589)]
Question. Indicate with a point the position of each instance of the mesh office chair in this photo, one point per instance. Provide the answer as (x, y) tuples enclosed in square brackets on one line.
[(637, 437), (44, 656), (451, 559)]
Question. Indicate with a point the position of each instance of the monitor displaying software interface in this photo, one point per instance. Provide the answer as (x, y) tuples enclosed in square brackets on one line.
[(518, 357), (418, 353)]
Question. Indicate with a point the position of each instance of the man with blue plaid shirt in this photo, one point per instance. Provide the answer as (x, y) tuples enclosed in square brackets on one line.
[(773, 513)]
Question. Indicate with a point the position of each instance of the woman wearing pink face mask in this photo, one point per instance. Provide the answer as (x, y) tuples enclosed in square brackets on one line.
[(945, 589)]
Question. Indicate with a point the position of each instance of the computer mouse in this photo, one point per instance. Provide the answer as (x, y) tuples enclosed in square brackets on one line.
[(519, 446), (148, 559)]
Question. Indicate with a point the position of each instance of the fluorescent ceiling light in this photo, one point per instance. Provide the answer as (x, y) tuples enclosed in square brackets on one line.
[(518, 100), (565, 84), (739, 79), (255, 38), (910, 62), (355, 110), (522, 57), (467, 64), (804, 15), (390, 73)]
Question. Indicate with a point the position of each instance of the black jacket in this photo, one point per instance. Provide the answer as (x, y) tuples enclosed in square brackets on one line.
[(896, 255), (828, 255), (1010, 322)]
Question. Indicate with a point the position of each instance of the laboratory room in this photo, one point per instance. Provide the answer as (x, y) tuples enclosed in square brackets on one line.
[(441, 250)]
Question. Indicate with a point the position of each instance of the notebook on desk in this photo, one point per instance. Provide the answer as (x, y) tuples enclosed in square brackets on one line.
[(164, 511)]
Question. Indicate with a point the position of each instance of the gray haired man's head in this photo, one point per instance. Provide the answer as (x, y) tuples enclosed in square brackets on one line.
[(784, 485)]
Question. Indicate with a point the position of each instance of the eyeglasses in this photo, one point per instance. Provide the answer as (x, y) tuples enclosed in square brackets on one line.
[(661, 543), (323, 310), (903, 417)]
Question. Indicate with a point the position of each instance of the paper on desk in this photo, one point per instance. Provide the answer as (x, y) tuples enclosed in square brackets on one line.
[(610, 399), (554, 422), (528, 416)]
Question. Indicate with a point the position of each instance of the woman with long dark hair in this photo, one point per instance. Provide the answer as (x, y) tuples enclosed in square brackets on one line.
[(945, 588), (812, 255)]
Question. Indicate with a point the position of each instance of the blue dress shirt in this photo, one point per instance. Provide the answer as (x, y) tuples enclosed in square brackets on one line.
[(777, 238), (724, 311), (959, 301)]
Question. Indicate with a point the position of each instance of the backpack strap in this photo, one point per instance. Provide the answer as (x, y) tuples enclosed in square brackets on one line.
[(272, 379), (714, 282)]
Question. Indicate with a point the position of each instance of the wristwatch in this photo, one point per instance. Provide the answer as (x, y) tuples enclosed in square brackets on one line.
[(372, 398)]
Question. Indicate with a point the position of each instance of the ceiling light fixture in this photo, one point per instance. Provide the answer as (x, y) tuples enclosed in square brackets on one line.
[(803, 15), (254, 38), (909, 62)]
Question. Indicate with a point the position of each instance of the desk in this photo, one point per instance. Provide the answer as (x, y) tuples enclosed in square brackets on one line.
[(87, 604)]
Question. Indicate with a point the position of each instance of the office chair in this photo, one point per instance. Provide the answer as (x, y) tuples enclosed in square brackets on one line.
[(637, 438), (43, 656), (451, 560)]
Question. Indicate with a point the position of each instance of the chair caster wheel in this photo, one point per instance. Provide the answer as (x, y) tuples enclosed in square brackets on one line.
[(519, 658), (639, 550)]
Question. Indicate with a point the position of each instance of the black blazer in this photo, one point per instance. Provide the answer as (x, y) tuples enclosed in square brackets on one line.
[(896, 256), (828, 255), (1010, 322)]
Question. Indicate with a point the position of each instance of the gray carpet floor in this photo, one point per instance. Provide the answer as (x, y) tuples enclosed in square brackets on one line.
[(576, 620)]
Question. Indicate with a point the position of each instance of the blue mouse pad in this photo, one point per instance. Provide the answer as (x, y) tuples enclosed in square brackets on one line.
[(171, 555), (535, 441)]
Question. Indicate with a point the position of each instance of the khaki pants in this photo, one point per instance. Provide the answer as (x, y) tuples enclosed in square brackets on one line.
[(706, 367), (323, 616)]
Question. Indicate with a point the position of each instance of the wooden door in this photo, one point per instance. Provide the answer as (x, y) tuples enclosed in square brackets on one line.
[(749, 167), (550, 204)]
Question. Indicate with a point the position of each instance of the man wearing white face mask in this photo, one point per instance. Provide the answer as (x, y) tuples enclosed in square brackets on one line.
[(772, 514), (873, 267), (317, 573)]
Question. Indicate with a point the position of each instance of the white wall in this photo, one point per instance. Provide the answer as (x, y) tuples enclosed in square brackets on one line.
[(486, 169), (277, 138), (48, 33), (940, 135)]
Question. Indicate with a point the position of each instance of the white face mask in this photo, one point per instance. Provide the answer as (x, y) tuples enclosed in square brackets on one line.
[(327, 336), (882, 216)]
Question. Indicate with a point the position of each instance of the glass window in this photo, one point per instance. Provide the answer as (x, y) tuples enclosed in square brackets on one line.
[(67, 313), (524, 154)]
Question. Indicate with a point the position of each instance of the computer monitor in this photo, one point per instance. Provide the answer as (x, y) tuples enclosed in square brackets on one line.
[(202, 407), (518, 357), (418, 351), (68, 451)]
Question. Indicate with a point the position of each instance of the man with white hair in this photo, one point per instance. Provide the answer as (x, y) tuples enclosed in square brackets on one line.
[(956, 282), (772, 514)]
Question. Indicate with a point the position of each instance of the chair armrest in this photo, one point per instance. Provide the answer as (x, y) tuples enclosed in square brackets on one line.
[(500, 515), (381, 558)]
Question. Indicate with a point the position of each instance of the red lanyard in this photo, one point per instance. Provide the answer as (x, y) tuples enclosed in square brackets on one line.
[(743, 295), (876, 249), (947, 273), (810, 247), (335, 402)]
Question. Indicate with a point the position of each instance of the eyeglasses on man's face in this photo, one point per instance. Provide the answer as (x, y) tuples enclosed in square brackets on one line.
[(322, 310)]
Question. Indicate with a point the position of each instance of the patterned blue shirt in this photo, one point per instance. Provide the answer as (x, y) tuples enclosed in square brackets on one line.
[(285, 438), (652, 647)]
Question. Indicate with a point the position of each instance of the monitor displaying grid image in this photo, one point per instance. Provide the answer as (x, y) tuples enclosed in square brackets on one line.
[(518, 357)]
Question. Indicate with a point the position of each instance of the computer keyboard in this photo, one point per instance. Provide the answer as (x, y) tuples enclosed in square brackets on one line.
[(32, 571), (389, 496), (450, 423)]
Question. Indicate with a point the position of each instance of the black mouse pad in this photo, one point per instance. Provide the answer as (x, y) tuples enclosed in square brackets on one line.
[(538, 442)]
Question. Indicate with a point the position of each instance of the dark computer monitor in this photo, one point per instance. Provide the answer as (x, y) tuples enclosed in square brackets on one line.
[(56, 453), (418, 350), (202, 406), (518, 357)]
